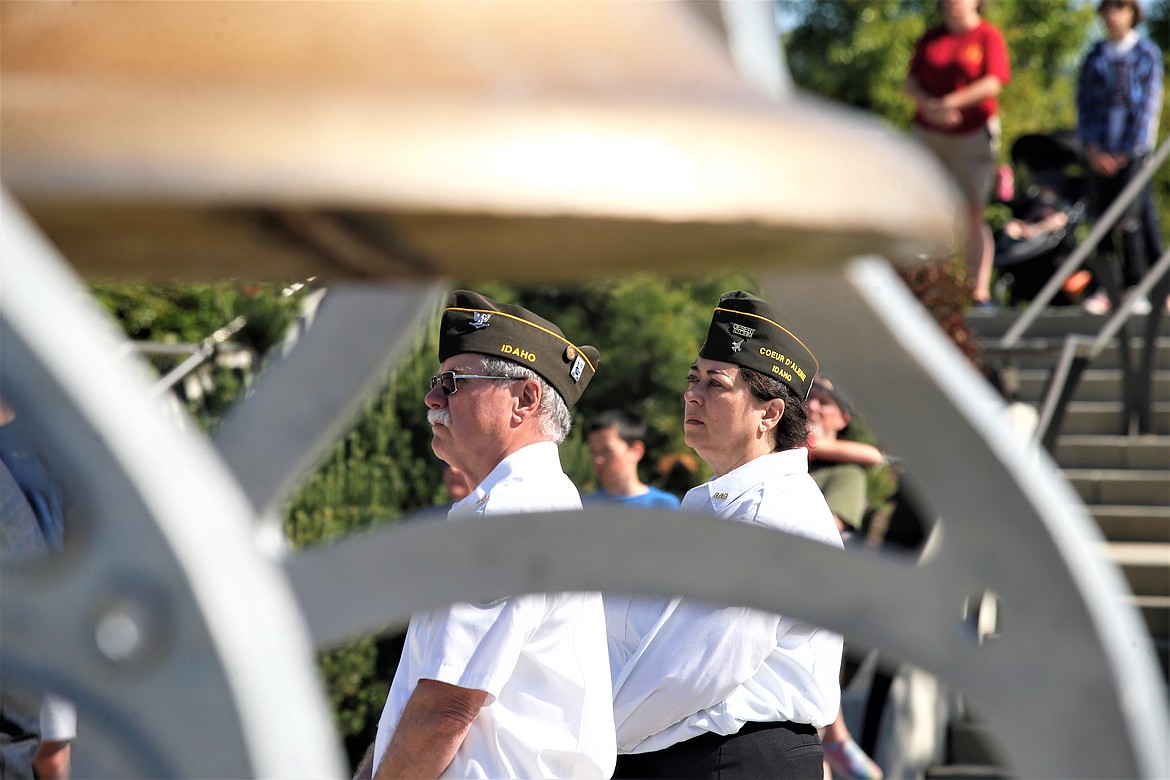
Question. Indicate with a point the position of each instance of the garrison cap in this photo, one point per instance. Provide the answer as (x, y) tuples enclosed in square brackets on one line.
[(475, 323), (746, 331), (825, 385)]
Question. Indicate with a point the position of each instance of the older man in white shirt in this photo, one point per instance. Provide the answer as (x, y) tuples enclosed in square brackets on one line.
[(517, 687)]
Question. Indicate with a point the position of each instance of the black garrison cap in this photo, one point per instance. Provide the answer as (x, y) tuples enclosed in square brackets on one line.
[(475, 323), (825, 385), (746, 331)]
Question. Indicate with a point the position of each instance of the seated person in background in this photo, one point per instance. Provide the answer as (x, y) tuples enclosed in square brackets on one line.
[(20, 536), (456, 483), (838, 465), (58, 716), (616, 447), (456, 487), (58, 730), (1046, 214), (1022, 418)]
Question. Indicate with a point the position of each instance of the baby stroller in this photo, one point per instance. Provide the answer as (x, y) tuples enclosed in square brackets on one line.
[(1050, 203)]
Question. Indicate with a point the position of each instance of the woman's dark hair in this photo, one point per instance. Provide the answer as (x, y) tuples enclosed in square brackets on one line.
[(792, 430)]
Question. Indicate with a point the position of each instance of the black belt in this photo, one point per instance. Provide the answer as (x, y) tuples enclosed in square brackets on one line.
[(752, 727)]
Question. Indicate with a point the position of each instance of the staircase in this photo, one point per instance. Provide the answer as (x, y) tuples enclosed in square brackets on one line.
[(1123, 480)]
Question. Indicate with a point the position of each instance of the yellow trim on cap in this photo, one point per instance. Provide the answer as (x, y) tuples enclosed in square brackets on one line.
[(816, 362), (538, 327)]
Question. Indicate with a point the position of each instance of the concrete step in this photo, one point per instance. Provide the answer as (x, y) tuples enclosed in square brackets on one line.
[(1124, 480), (967, 772), (1095, 384), (1121, 486), (1156, 612), (1032, 353), (1113, 452), (1128, 523), (1057, 321), (1105, 417), (972, 743), (1145, 565)]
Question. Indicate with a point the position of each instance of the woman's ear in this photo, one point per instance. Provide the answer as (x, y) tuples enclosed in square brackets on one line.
[(773, 411)]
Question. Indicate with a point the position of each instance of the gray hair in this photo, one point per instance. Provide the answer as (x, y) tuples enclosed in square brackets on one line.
[(555, 420)]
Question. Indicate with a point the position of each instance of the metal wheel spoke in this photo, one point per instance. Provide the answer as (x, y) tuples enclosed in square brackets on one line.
[(303, 402)]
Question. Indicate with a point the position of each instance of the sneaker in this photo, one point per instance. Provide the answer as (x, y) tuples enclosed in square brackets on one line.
[(1097, 303), (848, 760), (1141, 306)]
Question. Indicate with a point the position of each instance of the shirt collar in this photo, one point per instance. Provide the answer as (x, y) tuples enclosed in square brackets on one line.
[(733, 484), (1122, 47), (531, 460)]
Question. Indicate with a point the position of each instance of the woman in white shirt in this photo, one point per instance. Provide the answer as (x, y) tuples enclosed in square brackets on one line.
[(702, 691)]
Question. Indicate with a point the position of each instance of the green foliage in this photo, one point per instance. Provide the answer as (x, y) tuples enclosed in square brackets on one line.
[(857, 52), (188, 314), (356, 693), (382, 468), (1046, 43)]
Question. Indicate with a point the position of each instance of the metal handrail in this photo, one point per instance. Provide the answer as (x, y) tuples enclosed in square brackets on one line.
[(1101, 228), (1078, 351), (201, 353)]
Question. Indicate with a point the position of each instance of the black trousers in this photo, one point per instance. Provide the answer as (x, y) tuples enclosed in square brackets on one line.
[(777, 751), (1141, 240)]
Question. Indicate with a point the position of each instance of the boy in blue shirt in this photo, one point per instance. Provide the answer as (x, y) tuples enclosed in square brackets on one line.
[(616, 446)]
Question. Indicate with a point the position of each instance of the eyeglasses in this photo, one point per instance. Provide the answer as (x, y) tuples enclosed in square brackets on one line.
[(448, 380)]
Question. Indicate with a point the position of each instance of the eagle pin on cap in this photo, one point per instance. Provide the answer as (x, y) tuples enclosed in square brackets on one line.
[(475, 323)]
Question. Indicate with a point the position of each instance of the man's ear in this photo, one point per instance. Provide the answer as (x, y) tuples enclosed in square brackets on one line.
[(528, 399), (773, 411), (638, 448)]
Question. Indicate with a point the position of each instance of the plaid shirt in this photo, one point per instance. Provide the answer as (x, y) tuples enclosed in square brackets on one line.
[(1144, 98)]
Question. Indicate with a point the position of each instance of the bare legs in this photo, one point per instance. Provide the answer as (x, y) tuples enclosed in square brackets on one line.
[(978, 250)]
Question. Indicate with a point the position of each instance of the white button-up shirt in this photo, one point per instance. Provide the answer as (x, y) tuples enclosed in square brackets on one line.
[(681, 669), (541, 658)]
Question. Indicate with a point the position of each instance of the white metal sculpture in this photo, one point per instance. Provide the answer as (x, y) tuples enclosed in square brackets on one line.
[(404, 143)]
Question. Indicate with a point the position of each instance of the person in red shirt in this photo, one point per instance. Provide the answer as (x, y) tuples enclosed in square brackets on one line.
[(957, 70)]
